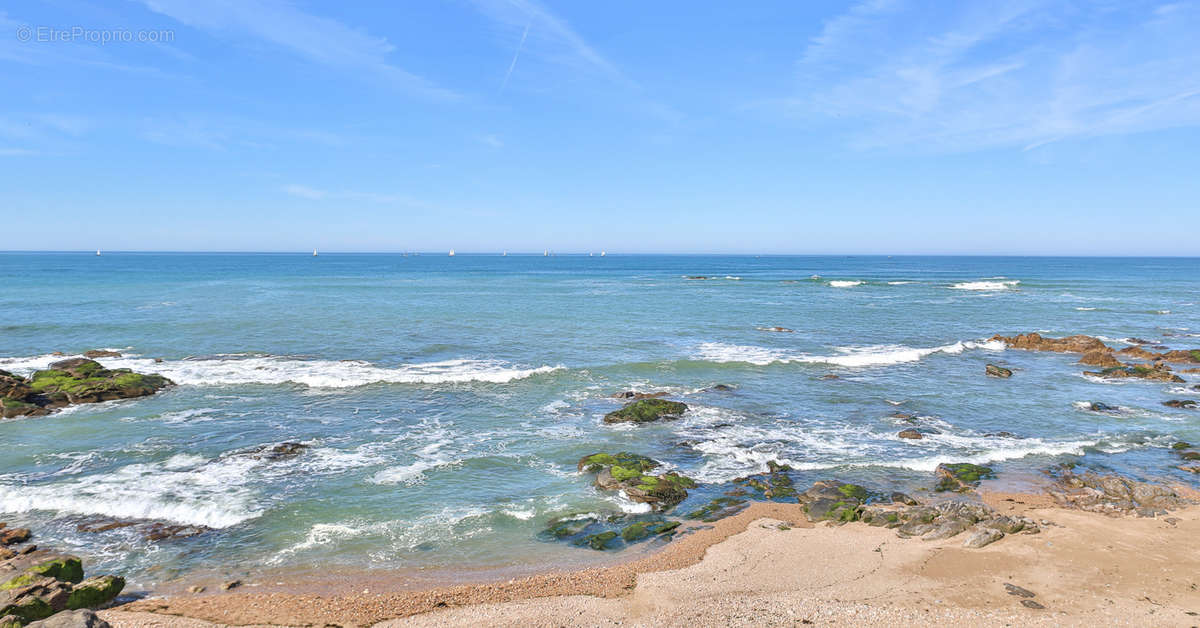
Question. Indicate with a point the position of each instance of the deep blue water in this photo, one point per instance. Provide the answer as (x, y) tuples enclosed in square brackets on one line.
[(447, 400)]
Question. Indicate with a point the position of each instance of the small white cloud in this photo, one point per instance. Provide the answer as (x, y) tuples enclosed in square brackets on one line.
[(303, 191), (492, 140)]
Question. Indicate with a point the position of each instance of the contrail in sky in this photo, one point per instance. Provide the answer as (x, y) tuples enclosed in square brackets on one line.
[(515, 55)]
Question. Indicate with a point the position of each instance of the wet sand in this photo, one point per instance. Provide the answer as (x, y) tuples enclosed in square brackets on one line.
[(768, 566)]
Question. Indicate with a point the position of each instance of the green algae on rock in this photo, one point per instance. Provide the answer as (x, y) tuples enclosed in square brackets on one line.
[(646, 411), (627, 472), (961, 476), (69, 382)]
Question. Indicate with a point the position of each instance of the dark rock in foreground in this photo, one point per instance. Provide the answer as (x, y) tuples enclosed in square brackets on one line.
[(69, 382), (36, 584), (646, 411)]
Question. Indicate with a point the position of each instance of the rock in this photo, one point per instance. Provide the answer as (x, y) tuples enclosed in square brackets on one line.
[(232, 584), (595, 462), (980, 537), (600, 541), (901, 498), (66, 382), (1013, 589), (149, 530), (1070, 344), (1099, 358), (718, 508), (961, 476), (830, 377), (1113, 494), (1031, 604), (721, 388), (629, 394), (12, 536), (628, 472), (997, 371), (774, 466), (101, 353), (644, 529), (911, 434), (95, 591), (196, 588), (278, 452), (71, 619), (1188, 404), (774, 485), (829, 500), (646, 410), (1097, 406), (1159, 372)]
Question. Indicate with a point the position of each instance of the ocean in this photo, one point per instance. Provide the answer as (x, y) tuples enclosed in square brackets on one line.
[(445, 401)]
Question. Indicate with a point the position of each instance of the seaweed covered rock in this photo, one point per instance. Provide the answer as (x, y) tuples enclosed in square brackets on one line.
[(629, 473), (1112, 494), (829, 500), (607, 532), (997, 371), (774, 485), (1186, 404), (73, 381), (718, 508), (944, 520), (1158, 372), (630, 394), (961, 476), (38, 584), (646, 411)]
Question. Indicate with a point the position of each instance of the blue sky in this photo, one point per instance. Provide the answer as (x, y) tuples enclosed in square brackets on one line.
[(884, 127)]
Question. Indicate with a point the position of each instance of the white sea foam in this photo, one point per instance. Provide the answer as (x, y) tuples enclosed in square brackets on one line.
[(845, 283), (238, 369), (988, 285), (877, 355), (901, 283), (1085, 309), (183, 489)]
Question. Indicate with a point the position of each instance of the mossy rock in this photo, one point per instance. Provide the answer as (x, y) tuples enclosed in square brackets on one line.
[(595, 462), (1181, 445), (646, 411), (567, 527), (662, 491), (28, 608), (961, 476), (600, 541), (11, 621), (66, 568), (718, 508), (95, 591), (853, 491)]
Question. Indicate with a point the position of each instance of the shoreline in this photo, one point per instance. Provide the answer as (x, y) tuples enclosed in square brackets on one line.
[(1085, 567)]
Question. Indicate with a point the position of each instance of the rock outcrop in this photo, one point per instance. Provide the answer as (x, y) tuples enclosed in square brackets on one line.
[(997, 371), (1113, 494), (69, 382), (961, 477), (1159, 372), (36, 584)]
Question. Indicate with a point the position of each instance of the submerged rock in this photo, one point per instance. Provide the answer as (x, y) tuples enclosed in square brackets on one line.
[(961, 476), (997, 371), (1188, 404), (911, 434), (629, 394), (101, 353), (147, 529), (646, 411), (73, 381), (718, 508)]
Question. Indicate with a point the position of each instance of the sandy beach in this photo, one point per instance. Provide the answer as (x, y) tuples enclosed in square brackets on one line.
[(769, 566)]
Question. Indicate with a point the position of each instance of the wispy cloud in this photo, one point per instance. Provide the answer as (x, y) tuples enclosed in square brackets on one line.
[(318, 194), (199, 131), (543, 36), (317, 39), (491, 140), (970, 76)]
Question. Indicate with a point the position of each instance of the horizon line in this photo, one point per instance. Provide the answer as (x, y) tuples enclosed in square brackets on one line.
[(501, 253)]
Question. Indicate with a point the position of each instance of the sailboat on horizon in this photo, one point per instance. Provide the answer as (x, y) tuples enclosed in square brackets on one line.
[(97, 252), (314, 252), (451, 252)]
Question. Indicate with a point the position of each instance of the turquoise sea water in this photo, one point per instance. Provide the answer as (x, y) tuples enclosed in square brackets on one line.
[(446, 400)]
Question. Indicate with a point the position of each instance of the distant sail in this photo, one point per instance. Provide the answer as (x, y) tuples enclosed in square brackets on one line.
[(97, 252), (603, 253), (546, 253), (504, 254), (314, 252), (451, 252)]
